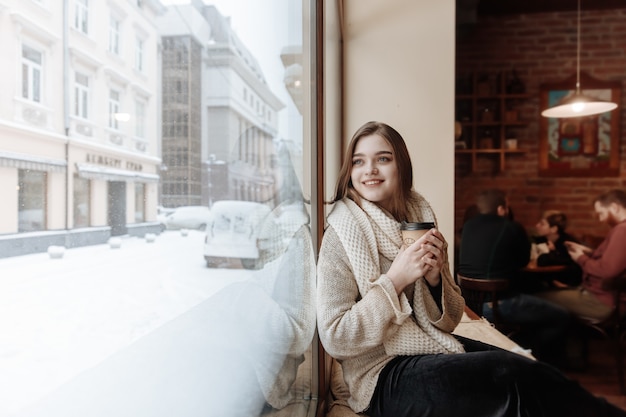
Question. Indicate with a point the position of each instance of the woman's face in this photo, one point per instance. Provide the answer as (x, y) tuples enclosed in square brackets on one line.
[(543, 228), (374, 172)]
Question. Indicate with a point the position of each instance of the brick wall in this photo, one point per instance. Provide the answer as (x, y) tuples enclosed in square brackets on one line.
[(542, 49)]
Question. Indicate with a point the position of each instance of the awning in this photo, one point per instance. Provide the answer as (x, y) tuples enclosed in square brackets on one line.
[(96, 172), (32, 162)]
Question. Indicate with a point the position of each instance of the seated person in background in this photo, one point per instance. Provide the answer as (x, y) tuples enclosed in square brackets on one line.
[(493, 246), (551, 234), (606, 262)]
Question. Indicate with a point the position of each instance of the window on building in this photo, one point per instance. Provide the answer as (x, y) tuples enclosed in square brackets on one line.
[(139, 51), (32, 73), (81, 16), (81, 201), (114, 35), (31, 200), (140, 119), (114, 109), (81, 95), (140, 202)]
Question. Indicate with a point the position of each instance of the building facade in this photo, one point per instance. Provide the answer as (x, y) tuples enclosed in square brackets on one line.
[(79, 159), (211, 75)]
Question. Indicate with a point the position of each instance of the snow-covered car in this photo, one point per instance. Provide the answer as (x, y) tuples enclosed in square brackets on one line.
[(235, 232), (188, 217)]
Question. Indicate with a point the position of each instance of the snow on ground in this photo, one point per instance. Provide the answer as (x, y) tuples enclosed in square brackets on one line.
[(59, 317)]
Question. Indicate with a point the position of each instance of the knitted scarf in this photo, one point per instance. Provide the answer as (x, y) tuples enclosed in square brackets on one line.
[(366, 233)]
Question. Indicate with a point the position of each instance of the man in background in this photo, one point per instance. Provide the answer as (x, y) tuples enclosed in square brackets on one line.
[(493, 246), (606, 262)]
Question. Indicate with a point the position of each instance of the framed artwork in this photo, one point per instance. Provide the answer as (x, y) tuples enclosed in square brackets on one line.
[(583, 146)]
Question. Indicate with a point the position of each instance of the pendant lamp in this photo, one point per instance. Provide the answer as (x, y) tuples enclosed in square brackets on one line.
[(577, 104)]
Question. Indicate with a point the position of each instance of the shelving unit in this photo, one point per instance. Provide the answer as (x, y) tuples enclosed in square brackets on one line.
[(487, 107)]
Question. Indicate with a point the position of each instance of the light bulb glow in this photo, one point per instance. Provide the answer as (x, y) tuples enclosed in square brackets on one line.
[(578, 107)]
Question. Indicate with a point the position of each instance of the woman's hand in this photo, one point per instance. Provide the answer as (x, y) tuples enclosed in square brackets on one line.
[(421, 259), (436, 244)]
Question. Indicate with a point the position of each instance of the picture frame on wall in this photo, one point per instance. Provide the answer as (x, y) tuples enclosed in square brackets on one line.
[(580, 146)]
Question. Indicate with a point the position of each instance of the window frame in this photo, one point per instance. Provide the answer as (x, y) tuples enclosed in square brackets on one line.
[(81, 16), (139, 53), (114, 108), (82, 96), (115, 31), (32, 75)]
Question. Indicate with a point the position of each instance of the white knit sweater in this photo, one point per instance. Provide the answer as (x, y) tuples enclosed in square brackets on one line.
[(361, 320)]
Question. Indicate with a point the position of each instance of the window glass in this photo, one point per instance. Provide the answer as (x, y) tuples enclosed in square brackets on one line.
[(162, 217), (140, 202), (139, 46), (31, 73), (140, 116), (81, 201), (114, 109), (81, 95), (32, 200), (81, 15), (114, 35)]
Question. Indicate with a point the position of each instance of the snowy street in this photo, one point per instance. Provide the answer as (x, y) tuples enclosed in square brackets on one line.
[(59, 317)]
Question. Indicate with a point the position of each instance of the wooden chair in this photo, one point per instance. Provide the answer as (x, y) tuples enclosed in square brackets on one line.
[(613, 327), (477, 291)]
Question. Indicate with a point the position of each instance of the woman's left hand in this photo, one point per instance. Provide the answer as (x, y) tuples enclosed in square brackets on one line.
[(434, 246)]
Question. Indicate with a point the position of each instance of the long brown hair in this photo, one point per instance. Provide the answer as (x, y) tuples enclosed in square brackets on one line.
[(344, 187)]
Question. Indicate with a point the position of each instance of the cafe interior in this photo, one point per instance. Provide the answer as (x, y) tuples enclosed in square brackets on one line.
[(510, 53), (514, 62)]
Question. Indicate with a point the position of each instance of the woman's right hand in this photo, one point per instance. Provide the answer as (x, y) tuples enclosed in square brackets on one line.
[(413, 262)]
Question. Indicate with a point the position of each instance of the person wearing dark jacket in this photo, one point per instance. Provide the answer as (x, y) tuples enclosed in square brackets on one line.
[(494, 246), (552, 236)]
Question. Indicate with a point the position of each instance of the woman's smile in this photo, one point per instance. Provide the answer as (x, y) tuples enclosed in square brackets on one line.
[(374, 170)]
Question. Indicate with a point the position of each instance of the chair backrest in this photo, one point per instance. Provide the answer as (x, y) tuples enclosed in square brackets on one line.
[(477, 291)]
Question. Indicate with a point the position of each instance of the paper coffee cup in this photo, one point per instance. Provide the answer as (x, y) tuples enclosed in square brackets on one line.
[(411, 231)]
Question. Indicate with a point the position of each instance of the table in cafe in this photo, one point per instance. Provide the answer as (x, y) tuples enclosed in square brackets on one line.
[(535, 277)]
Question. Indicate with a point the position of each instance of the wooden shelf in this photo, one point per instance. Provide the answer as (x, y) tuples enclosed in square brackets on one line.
[(487, 106)]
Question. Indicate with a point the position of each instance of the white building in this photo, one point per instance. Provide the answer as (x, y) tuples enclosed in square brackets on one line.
[(79, 137), (212, 80)]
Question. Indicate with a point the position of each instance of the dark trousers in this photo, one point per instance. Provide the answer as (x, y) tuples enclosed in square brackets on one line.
[(543, 325), (485, 381)]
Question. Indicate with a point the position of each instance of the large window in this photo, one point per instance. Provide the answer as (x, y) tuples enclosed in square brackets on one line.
[(186, 213), (31, 200), (31, 73)]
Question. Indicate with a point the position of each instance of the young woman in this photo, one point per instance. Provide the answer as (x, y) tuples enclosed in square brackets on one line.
[(387, 313), (551, 230)]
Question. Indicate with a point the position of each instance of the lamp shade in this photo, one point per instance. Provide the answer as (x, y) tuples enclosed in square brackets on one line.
[(578, 105)]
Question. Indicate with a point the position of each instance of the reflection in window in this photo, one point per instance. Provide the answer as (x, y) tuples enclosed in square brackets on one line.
[(140, 202), (31, 73), (81, 201), (171, 326), (31, 200)]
